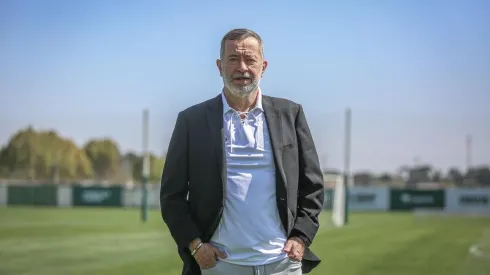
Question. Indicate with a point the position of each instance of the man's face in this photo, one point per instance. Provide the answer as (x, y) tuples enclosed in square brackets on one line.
[(242, 66)]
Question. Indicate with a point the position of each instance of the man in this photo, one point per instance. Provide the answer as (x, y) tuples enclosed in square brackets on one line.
[(242, 188)]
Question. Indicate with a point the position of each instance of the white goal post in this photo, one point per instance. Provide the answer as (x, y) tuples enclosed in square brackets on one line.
[(340, 201)]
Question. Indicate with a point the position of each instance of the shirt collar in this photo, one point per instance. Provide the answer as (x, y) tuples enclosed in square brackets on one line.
[(258, 104)]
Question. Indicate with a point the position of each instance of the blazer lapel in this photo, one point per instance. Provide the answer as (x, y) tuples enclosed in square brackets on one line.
[(274, 123), (215, 124)]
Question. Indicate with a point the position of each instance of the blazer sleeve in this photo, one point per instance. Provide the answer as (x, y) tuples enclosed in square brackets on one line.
[(310, 186), (174, 187)]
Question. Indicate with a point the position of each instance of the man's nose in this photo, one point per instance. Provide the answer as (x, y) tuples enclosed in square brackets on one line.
[(242, 67)]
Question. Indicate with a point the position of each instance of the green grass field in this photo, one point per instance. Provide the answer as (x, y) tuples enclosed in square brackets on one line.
[(46, 241)]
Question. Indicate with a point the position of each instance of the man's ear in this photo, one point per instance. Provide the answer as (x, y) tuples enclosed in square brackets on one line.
[(264, 66), (218, 64)]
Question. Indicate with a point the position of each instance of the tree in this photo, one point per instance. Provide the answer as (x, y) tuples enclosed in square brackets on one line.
[(385, 177), (484, 176), (455, 176), (436, 176), (21, 152), (4, 170), (156, 166), (480, 175), (43, 155), (104, 156)]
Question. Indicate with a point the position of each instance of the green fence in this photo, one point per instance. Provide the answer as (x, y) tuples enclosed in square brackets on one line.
[(361, 198), (32, 195), (97, 196), (328, 202)]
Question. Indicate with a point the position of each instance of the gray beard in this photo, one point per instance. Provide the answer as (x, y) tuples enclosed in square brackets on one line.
[(241, 91)]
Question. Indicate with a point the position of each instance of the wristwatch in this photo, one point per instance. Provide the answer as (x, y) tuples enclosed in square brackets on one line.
[(302, 237)]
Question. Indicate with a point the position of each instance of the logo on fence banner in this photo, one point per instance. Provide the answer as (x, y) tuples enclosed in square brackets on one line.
[(480, 200), (416, 199), (410, 199), (95, 196), (367, 198)]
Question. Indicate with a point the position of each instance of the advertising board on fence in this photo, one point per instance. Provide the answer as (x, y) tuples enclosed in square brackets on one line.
[(328, 199), (45, 195), (461, 199), (416, 199), (363, 199), (3, 194), (133, 197), (369, 199), (97, 196)]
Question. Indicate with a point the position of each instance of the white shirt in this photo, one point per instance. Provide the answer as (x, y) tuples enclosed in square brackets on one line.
[(250, 231)]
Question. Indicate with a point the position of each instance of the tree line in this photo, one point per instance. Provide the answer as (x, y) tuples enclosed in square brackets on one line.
[(45, 155), (426, 174)]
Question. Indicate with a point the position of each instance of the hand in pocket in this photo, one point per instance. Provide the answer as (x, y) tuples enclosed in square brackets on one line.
[(208, 255)]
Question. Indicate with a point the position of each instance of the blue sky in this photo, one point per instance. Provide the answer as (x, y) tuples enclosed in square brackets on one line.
[(415, 73)]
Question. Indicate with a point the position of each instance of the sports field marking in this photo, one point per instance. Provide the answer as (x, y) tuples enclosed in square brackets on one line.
[(482, 249), (479, 251)]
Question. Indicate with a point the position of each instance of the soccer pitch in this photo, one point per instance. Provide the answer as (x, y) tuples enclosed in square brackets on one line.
[(54, 241)]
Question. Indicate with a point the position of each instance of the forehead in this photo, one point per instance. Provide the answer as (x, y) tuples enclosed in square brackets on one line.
[(248, 46)]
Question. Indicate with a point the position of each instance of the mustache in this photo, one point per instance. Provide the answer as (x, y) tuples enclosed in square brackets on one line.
[(240, 75)]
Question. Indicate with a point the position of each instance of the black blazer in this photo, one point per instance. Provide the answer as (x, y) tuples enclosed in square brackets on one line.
[(193, 182)]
